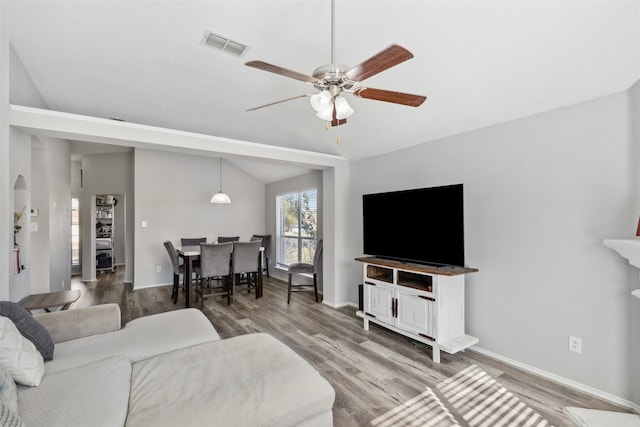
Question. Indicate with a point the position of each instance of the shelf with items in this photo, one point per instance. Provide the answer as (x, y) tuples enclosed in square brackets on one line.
[(105, 233)]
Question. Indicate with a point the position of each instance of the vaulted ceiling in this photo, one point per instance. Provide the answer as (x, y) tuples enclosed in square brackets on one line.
[(478, 62)]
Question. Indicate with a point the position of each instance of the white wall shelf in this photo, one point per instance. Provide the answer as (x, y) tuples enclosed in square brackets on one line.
[(628, 249)]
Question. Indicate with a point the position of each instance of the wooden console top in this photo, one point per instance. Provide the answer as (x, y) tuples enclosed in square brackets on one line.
[(446, 270)]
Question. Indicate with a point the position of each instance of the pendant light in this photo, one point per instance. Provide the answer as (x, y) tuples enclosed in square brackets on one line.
[(220, 196)]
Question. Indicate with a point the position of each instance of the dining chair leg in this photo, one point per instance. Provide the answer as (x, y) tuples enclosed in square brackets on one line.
[(289, 290), (176, 288), (233, 287), (315, 285)]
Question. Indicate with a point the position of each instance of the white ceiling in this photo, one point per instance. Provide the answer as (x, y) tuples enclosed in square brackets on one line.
[(478, 62)]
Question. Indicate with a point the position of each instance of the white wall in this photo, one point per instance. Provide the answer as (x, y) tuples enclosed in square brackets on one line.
[(172, 194), (540, 195), (274, 189)]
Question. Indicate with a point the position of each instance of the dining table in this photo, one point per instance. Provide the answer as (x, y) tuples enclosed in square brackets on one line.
[(191, 253)]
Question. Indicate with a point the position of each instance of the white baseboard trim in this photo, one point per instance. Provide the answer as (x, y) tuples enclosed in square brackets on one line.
[(152, 285), (616, 400), (342, 304)]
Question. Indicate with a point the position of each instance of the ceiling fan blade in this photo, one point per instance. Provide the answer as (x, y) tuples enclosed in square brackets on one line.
[(389, 57), (389, 96), (261, 65), (281, 101)]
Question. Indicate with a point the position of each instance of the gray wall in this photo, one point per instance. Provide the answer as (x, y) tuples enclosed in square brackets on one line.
[(541, 194), (6, 189), (46, 253), (51, 195), (172, 193), (20, 145), (634, 318), (298, 183), (106, 174)]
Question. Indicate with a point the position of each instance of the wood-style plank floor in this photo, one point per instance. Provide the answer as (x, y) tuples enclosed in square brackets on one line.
[(372, 372)]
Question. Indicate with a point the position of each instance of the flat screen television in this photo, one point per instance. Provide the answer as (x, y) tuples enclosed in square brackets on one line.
[(423, 225)]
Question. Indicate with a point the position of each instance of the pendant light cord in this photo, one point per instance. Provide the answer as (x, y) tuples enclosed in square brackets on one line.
[(220, 173)]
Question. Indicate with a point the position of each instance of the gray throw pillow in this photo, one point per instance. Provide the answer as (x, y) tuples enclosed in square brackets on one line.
[(29, 327)]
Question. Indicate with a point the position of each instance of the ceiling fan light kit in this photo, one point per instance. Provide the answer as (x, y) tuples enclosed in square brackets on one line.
[(333, 80)]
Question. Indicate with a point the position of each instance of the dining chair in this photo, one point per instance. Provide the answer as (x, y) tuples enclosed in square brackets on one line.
[(222, 239), (178, 269), (215, 262), (266, 244), (306, 268), (192, 241), (246, 257)]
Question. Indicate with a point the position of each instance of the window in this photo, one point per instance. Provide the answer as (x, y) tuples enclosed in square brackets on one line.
[(297, 227), (75, 231)]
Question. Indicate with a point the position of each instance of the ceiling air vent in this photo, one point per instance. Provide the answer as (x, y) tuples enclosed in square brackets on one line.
[(223, 43)]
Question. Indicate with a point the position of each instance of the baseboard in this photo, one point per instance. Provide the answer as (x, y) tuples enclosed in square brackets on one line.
[(152, 285), (337, 306), (616, 400)]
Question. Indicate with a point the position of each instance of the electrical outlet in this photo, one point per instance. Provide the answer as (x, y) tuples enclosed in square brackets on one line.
[(575, 344), (158, 269)]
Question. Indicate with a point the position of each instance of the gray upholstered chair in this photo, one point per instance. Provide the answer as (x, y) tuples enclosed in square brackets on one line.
[(223, 239), (305, 268), (215, 262), (246, 257), (178, 269), (192, 241), (266, 244)]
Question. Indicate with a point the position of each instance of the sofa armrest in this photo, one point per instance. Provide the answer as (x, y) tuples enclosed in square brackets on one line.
[(66, 325)]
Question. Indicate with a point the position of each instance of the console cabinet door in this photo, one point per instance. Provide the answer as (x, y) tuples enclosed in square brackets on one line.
[(378, 300), (416, 313)]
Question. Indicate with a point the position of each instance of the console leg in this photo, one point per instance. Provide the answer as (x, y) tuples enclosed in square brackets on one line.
[(366, 324), (436, 353)]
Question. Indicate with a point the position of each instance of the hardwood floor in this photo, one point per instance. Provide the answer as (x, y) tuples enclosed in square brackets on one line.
[(372, 372)]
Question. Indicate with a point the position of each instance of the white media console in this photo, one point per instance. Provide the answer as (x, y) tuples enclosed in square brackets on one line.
[(425, 303)]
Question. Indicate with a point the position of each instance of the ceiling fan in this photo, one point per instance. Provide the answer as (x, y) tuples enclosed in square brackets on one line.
[(332, 80)]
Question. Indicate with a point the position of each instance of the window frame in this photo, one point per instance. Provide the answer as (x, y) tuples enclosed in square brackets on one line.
[(301, 240)]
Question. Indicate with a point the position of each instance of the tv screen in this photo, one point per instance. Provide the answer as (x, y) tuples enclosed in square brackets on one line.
[(422, 225)]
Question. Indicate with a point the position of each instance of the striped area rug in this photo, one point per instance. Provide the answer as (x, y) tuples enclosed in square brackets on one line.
[(470, 398)]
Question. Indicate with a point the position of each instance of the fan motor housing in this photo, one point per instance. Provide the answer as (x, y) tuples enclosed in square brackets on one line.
[(331, 74)]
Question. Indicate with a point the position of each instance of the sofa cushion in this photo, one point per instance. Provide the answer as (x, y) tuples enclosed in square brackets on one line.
[(9, 418), (141, 338), (18, 355), (8, 392), (248, 380), (96, 394), (29, 327)]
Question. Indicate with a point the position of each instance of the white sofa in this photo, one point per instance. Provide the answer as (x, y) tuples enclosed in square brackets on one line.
[(169, 369)]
